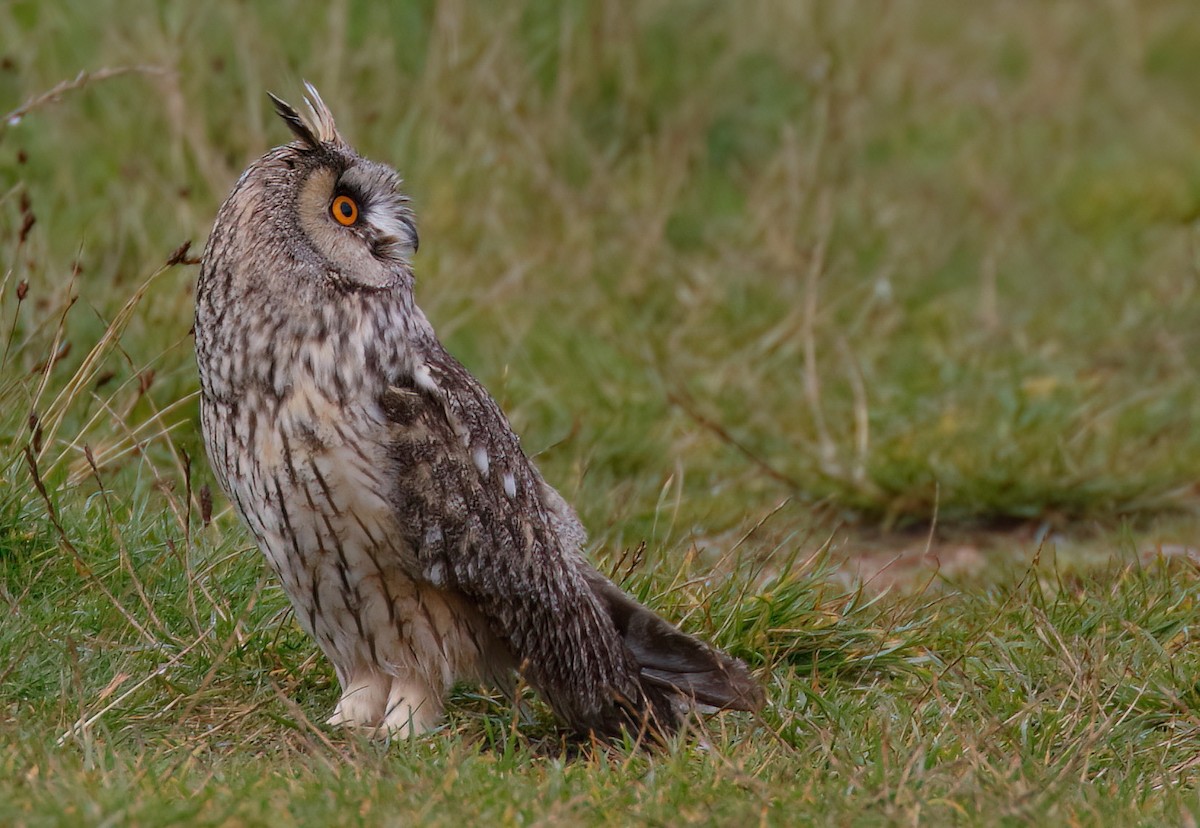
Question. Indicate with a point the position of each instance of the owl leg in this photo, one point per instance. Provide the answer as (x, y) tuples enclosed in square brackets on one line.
[(413, 707), (364, 701)]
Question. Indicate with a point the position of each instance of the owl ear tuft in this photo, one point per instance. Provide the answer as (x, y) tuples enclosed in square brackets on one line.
[(318, 128), (322, 118)]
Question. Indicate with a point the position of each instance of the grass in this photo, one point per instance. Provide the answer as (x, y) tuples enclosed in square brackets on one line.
[(763, 289)]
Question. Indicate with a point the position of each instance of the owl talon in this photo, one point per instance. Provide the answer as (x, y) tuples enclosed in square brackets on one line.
[(412, 709), (362, 704)]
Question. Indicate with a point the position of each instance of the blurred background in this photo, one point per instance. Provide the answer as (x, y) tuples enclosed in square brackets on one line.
[(786, 265)]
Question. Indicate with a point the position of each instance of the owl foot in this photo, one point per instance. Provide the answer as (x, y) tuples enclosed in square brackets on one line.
[(412, 709), (363, 702)]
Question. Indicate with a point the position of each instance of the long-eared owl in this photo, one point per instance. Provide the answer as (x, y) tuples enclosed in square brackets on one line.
[(417, 543)]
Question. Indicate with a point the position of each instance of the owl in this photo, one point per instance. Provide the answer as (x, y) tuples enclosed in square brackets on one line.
[(417, 543)]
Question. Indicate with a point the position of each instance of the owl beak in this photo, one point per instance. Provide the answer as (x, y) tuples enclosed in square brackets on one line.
[(407, 241)]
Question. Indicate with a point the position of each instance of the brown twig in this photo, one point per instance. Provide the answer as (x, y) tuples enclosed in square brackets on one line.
[(80, 564), (55, 93), (685, 404), (126, 559)]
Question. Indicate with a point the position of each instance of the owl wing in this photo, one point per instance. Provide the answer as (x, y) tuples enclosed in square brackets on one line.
[(480, 520)]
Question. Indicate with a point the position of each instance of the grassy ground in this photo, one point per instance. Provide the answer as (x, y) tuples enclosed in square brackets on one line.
[(797, 294)]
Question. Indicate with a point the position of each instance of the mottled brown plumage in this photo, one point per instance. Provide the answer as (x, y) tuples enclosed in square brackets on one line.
[(417, 543)]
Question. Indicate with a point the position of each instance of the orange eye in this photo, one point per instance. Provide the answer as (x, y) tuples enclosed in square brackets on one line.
[(344, 210)]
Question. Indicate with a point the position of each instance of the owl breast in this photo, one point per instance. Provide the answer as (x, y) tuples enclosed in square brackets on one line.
[(302, 456)]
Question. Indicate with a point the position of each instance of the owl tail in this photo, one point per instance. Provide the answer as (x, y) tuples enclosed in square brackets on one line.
[(672, 663)]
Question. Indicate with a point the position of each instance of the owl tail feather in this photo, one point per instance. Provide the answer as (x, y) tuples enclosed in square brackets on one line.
[(673, 662)]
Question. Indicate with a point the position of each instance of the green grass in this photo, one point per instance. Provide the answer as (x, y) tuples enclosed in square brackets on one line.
[(763, 288)]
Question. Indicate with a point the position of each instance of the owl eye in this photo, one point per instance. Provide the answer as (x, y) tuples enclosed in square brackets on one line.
[(344, 210)]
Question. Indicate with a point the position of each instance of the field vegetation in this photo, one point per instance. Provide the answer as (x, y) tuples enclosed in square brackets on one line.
[(865, 337)]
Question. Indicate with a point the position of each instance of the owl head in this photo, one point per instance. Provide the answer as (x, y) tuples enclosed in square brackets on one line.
[(317, 213)]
